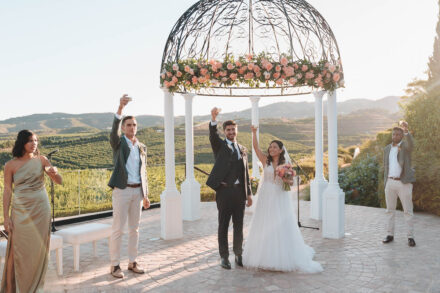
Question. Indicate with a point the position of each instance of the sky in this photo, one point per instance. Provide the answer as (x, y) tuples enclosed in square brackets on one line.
[(81, 56)]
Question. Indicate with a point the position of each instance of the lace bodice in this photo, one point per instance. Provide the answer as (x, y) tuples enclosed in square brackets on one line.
[(270, 176)]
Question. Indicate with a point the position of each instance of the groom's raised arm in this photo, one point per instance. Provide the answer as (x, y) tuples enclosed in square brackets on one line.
[(214, 137), (115, 135)]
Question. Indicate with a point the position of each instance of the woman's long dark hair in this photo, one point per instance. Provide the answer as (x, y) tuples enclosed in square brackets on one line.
[(281, 159), (22, 138)]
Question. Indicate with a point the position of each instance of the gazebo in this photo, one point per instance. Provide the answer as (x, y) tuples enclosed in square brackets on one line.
[(254, 49)]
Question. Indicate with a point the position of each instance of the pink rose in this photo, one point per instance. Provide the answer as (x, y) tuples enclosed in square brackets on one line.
[(299, 76), (233, 76), (188, 83), (249, 76), (230, 66), (178, 74), (279, 81), (276, 75), (203, 71), (268, 66), (309, 75), (166, 83), (292, 81), (284, 61), (267, 75), (169, 74), (194, 79), (278, 68), (295, 66), (241, 70), (336, 77), (201, 79), (257, 69), (191, 72), (187, 69), (223, 73), (212, 62), (289, 71), (304, 68), (175, 67), (249, 57), (250, 66), (258, 74), (238, 63), (174, 79)]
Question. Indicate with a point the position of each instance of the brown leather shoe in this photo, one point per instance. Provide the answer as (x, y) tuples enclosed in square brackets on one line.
[(116, 272), (134, 266), (388, 239), (411, 242)]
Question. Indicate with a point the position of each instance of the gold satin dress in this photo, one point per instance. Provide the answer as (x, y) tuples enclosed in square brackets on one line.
[(30, 215)]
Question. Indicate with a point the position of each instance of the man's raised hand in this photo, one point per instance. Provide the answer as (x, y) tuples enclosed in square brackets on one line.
[(214, 113)]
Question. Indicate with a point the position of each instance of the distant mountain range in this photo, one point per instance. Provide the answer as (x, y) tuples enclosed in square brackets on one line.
[(63, 123)]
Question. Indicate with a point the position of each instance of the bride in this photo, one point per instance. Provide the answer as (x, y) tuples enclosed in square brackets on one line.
[(275, 241)]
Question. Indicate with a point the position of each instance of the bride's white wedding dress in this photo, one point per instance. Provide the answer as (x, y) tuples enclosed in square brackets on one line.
[(275, 241)]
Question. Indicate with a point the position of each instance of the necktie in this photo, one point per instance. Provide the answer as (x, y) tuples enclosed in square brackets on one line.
[(235, 151)]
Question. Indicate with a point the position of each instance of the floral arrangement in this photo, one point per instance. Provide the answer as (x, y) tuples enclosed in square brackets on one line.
[(253, 71), (285, 172)]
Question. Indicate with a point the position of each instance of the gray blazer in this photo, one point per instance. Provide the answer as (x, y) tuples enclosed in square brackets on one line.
[(404, 159), (121, 151)]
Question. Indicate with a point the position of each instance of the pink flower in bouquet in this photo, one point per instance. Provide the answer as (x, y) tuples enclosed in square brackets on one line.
[(169, 74), (238, 63), (194, 79), (233, 76), (163, 76), (278, 68), (289, 71), (292, 81), (309, 75), (276, 75), (258, 74), (188, 83), (249, 57), (304, 68), (249, 76), (175, 67), (257, 68), (267, 75), (174, 79), (285, 172), (284, 61), (212, 62), (336, 77), (250, 66), (187, 69), (230, 66), (279, 81), (223, 73), (166, 83), (268, 66), (224, 79), (332, 68), (203, 71), (178, 73), (295, 66)]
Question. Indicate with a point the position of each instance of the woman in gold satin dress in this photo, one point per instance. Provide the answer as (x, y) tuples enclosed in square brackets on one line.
[(28, 222)]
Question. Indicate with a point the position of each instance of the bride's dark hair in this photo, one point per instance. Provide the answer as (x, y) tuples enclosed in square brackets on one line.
[(22, 139), (281, 159)]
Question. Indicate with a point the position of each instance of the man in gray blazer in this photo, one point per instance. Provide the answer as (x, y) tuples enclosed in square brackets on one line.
[(398, 178), (130, 188)]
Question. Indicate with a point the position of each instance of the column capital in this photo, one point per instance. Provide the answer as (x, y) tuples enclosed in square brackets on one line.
[(189, 96), (319, 94), (166, 90), (255, 99)]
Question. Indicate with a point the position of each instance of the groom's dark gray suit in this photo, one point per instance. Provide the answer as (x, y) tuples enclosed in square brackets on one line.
[(231, 197)]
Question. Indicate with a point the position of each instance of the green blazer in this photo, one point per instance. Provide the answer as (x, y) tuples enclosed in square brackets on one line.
[(404, 159), (121, 151)]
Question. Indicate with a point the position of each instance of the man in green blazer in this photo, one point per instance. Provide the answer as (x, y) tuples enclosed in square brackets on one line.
[(130, 188), (398, 178)]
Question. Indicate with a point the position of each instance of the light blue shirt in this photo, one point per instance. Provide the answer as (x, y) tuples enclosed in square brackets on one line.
[(133, 161)]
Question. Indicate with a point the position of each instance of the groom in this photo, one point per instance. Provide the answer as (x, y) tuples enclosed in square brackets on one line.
[(230, 179)]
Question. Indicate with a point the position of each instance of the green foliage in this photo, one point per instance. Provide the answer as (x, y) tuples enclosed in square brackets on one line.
[(360, 182)]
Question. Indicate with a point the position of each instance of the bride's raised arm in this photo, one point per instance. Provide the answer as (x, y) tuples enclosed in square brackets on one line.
[(262, 157)]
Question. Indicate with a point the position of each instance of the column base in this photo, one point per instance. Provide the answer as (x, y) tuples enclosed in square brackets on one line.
[(333, 212), (190, 189), (171, 226), (317, 188)]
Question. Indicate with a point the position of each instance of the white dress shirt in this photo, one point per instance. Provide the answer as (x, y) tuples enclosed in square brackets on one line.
[(394, 168), (133, 161)]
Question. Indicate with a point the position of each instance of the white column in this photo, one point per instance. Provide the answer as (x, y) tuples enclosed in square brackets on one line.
[(170, 199), (319, 184), (190, 187), (256, 122), (333, 218)]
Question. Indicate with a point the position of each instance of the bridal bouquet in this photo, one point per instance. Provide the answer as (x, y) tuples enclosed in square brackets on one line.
[(285, 172)]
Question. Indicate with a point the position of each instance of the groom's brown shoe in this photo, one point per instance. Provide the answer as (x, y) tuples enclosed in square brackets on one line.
[(411, 242), (134, 266), (388, 239), (225, 263), (116, 272), (239, 260)]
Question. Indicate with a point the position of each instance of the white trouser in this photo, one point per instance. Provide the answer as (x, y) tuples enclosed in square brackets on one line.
[(394, 189), (126, 203)]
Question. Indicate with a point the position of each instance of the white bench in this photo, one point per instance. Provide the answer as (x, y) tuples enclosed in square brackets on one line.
[(85, 233), (56, 243)]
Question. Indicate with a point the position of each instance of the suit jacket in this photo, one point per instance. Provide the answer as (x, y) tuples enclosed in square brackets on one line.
[(121, 151), (223, 160), (404, 159)]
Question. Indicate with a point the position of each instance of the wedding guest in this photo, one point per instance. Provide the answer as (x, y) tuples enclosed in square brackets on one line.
[(130, 188), (28, 222), (398, 178)]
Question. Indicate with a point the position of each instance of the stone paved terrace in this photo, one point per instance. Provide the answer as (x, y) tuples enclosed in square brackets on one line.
[(357, 263)]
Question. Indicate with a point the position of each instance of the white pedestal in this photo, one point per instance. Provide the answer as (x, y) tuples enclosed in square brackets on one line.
[(333, 216), (317, 188), (171, 215), (190, 189)]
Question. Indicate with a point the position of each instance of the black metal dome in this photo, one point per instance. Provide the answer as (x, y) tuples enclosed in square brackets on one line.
[(216, 29)]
